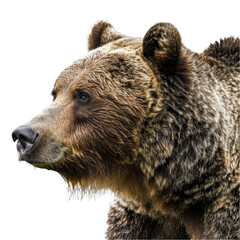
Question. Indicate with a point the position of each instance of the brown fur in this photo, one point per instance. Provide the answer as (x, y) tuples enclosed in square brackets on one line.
[(161, 130)]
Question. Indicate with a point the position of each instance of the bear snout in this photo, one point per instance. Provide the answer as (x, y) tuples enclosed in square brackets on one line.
[(27, 139)]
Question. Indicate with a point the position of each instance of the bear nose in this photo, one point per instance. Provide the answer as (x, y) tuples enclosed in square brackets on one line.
[(26, 137)]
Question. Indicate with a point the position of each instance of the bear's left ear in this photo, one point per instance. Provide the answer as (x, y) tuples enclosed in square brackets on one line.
[(162, 46), (101, 34)]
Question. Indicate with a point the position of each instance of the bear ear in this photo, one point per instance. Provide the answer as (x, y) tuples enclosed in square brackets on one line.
[(162, 46), (101, 34)]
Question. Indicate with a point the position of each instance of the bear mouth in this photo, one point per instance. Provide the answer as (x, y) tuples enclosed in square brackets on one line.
[(45, 154), (25, 147)]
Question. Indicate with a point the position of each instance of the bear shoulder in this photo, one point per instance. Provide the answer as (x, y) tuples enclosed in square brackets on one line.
[(226, 50)]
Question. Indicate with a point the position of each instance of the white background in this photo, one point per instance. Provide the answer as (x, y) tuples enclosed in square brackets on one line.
[(38, 39)]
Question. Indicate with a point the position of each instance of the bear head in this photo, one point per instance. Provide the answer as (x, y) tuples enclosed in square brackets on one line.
[(95, 133)]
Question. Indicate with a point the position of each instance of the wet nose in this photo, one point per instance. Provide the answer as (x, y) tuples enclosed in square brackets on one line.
[(26, 137)]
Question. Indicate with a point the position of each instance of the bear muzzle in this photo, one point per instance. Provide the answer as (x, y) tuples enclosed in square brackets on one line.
[(27, 139)]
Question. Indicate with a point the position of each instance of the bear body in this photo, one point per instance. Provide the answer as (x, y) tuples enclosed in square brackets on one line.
[(154, 122)]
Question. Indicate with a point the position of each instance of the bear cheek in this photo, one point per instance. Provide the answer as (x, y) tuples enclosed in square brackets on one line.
[(71, 129)]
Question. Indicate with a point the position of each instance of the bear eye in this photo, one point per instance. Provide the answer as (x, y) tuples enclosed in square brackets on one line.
[(53, 93), (81, 96)]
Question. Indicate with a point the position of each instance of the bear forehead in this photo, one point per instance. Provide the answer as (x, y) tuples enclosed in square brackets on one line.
[(122, 57)]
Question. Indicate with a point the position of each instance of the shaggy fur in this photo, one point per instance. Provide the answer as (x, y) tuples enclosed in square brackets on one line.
[(160, 129)]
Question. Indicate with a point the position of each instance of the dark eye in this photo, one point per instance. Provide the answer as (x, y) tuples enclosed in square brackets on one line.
[(53, 93), (81, 96)]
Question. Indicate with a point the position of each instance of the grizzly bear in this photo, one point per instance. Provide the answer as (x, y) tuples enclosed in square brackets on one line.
[(155, 123)]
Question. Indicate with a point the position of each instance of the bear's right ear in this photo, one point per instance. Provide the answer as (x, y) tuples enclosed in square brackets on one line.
[(101, 34)]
